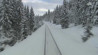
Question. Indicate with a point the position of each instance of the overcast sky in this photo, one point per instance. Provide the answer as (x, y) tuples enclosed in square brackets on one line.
[(41, 6)]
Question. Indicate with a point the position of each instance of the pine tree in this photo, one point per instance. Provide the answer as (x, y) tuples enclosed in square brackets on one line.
[(31, 20), (25, 23), (27, 12), (6, 23), (17, 18), (57, 14), (6, 18), (91, 10), (87, 34), (65, 18)]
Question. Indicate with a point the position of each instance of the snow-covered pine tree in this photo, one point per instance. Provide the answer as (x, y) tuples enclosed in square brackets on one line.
[(77, 9), (5, 17), (17, 18), (90, 19), (27, 12), (31, 20), (6, 23), (65, 18), (58, 14), (26, 22), (87, 33)]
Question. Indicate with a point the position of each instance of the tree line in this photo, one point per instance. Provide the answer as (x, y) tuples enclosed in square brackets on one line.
[(16, 22)]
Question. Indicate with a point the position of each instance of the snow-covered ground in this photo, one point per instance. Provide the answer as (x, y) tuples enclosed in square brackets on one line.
[(68, 40), (70, 43)]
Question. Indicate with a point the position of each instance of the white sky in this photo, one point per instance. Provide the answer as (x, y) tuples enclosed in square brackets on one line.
[(42, 6)]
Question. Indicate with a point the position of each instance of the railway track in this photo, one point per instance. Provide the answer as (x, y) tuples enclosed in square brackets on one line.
[(50, 46)]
